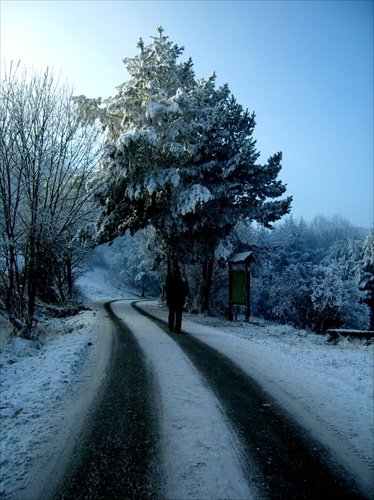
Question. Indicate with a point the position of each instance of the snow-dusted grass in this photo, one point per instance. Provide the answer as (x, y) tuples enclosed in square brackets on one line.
[(44, 388)]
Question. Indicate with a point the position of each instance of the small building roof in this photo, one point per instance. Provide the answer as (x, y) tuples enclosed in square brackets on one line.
[(243, 257)]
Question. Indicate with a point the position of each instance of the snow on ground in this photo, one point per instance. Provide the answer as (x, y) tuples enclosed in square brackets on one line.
[(328, 387), (44, 387)]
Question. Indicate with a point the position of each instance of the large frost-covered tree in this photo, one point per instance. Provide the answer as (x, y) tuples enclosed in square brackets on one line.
[(46, 159), (179, 155)]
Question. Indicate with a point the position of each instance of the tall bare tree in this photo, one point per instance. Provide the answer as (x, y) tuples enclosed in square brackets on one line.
[(46, 160)]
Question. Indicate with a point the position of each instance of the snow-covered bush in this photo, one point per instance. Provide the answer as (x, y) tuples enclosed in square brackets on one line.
[(289, 295), (336, 301), (315, 279)]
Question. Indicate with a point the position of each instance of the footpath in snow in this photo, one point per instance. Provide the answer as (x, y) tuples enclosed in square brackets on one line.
[(44, 396)]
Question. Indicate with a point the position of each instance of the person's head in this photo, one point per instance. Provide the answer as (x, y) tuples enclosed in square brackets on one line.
[(174, 269)]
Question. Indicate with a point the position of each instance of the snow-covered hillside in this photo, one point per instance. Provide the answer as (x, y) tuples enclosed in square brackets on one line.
[(328, 387)]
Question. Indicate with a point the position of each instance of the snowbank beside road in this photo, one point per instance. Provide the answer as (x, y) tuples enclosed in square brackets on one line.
[(45, 390)]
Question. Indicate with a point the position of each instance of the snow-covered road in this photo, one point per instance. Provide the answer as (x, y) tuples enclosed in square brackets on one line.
[(45, 393), (327, 388), (200, 453)]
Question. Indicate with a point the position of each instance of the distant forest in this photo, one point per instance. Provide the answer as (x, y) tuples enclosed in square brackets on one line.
[(315, 275)]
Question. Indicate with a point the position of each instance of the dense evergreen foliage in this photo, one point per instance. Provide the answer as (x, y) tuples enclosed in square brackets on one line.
[(179, 156)]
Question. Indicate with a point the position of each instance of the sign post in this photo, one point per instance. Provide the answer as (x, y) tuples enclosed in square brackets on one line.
[(239, 282)]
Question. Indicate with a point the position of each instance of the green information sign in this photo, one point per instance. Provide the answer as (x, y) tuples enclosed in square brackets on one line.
[(238, 287)]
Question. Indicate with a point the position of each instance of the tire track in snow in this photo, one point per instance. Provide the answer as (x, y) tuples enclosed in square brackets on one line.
[(115, 456), (349, 455), (200, 455), (294, 465)]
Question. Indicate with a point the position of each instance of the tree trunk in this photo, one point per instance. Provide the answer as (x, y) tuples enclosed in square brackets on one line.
[(69, 278), (207, 285), (31, 285)]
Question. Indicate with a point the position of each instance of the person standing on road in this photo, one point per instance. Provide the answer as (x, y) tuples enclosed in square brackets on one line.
[(176, 292)]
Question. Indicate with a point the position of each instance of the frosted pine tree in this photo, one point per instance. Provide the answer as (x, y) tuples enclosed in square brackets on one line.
[(179, 156)]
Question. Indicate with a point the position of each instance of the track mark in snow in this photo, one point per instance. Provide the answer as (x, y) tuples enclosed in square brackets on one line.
[(115, 456), (201, 456)]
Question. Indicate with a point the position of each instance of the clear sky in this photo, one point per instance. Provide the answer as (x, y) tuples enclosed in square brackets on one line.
[(304, 67)]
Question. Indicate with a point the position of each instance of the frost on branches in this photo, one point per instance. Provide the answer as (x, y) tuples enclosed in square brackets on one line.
[(179, 156)]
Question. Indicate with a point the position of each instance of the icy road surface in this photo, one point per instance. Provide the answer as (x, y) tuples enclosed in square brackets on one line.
[(157, 431), (178, 420)]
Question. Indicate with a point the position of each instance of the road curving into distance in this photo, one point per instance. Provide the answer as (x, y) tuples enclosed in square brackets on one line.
[(177, 419)]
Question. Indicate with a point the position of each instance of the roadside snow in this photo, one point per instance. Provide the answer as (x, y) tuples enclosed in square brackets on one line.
[(46, 389), (328, 387)]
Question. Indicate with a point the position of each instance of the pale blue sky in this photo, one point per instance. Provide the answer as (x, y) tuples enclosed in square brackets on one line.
[(304, 67)]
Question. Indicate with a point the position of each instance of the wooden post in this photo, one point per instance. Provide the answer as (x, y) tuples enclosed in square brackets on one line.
[(248, 294), (231, 317)]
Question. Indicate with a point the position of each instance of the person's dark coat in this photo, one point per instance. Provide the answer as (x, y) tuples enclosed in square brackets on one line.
[(176, 292)]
